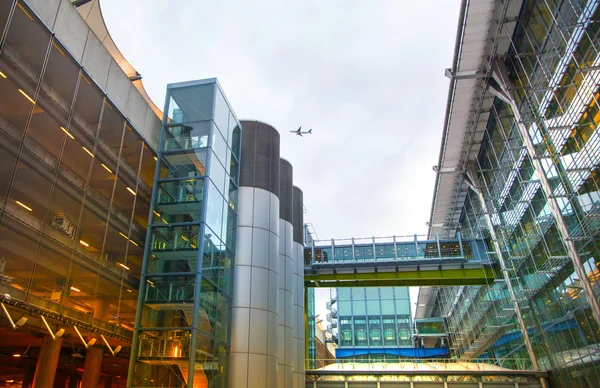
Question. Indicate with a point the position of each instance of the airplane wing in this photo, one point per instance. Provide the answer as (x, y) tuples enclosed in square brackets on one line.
[(300, 134), (299, 129)]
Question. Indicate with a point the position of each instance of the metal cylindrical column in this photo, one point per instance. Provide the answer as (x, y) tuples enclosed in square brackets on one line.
[(47, 362), (298, 257), (285, 334), (253, 361)]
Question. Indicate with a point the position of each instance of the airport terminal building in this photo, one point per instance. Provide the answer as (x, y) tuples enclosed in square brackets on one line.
[(164, 247)]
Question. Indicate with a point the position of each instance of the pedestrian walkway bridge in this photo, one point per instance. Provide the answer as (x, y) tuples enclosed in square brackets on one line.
[(397, 261)]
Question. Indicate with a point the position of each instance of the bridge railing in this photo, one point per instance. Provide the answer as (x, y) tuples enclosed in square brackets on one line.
[(394, 248)]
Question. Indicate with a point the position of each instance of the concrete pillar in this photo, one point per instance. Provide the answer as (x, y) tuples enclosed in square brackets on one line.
[(92, 367), (298, 258), (47, 363), (95, 354), (253, 360), (286, 349), (28, 374)]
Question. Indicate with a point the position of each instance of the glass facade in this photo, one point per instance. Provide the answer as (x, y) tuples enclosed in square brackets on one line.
[(373, 318), (74, 197), (182, 334), (553, 63)]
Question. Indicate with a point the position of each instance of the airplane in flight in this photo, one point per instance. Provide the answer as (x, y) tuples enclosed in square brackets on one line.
[(299, 132)]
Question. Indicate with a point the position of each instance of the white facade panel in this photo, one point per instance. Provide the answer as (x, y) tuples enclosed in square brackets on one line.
[(96, 60), (45, 9), (71, 29)]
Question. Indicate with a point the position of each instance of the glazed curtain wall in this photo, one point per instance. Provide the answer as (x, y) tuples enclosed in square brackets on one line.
[(553, 64), (183, 326), (75, 180)]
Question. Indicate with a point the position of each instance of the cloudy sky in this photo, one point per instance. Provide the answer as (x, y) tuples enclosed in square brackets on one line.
[(367, 76)]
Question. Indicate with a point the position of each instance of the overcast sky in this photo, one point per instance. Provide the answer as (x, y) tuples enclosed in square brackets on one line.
[(367, 76)]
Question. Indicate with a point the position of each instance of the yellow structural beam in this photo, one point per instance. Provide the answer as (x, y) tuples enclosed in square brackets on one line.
[(444, 277)]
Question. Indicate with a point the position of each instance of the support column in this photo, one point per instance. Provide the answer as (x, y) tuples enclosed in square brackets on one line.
[(92, 367), (298, 257), (253, 360), (95, 354), (47, 362), (286, 350), (504, 91)]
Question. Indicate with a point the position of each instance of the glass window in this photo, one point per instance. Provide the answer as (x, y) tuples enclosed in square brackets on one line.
[(111, 130), (5, 7), (60, 77), (8, 160), (25, 203), (387, 306), (402, 306), (373, 307), (77, 156), (343, 293), (18, 251), (148, 166), (221, 113), (217, 174), (185, 164), (219, 146), (103, 177), (88, 105), (372, 293), (47, 131), (235, 141), (27, 40), (358, 307), (179, 201), (215, 211), (16, 98), (191, 104), (131, 151), (358, 293)]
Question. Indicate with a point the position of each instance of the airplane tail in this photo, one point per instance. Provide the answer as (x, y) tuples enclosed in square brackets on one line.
[(310, 131)]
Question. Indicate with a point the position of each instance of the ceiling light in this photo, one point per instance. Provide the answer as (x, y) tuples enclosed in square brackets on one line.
[(5, 77), (131, 190), (75, 289), (134, 243), (155, 158), (67, 132), (26, 96), (128, 290), (84, 243), (106, 168), (124, 266), (155, 212), (88, 151), (23, 205), (16, 355)]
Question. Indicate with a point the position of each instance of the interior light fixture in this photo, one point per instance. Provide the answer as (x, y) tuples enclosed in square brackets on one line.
[(131, 190), (26, 96), (58, 49), (84, 243), (88, 151), (155, 212), (5, 77), (75, 289), (155, 158), (67, 132), (23, 205), (106, 168), (124, 266), (16, 355), (128, 290), (133, 242)]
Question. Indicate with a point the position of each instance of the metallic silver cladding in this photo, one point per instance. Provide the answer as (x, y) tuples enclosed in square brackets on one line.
[(286, 348), (298, 216), (259, 164), (299, 325), (255, 289)]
